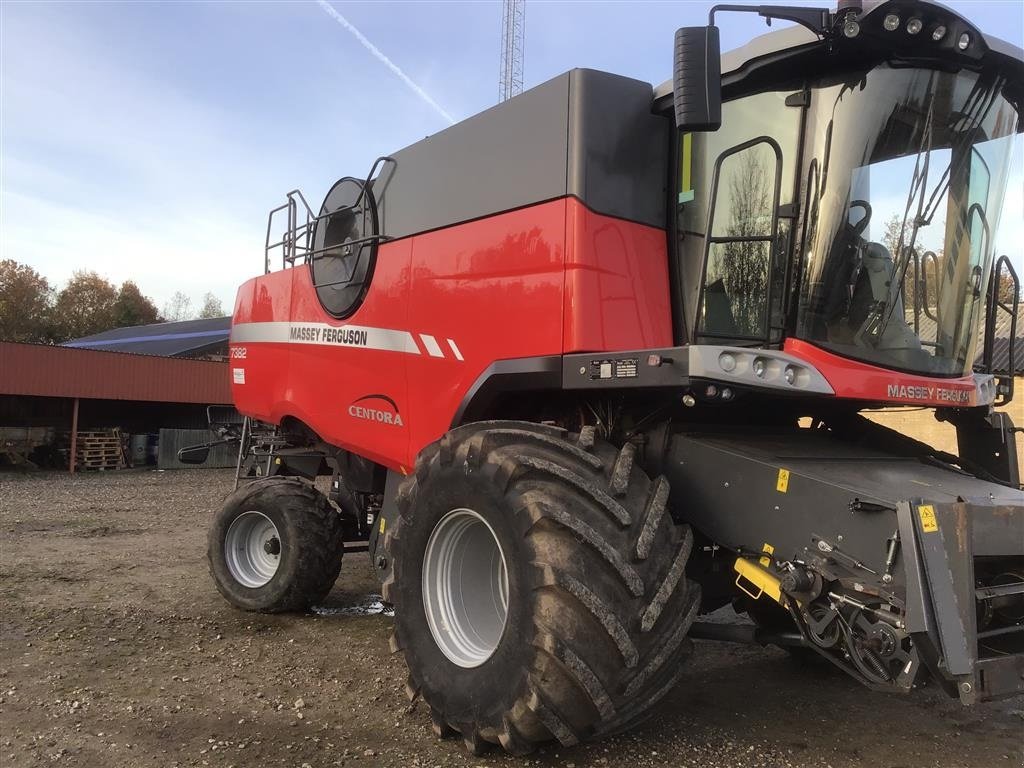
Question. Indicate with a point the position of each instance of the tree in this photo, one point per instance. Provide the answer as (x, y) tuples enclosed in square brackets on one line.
[(25, 303), (1005, 292), (132, 308), (211, 307), (178, 308), (895, 232), (929, 264), (84, 306)]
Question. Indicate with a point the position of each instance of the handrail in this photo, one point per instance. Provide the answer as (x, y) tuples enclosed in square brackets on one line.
[(295, 241), (1004, 390)]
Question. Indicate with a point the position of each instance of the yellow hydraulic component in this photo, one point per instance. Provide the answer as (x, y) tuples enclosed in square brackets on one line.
[(765, 582)]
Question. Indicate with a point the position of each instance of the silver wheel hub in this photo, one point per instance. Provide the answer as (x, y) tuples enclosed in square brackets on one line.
[(465, 588), (252, 549)]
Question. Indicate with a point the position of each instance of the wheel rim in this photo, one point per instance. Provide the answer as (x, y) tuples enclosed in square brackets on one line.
[(252, 549), (465, 588)]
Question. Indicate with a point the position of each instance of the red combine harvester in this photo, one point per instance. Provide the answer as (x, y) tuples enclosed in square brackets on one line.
[(591, 363)]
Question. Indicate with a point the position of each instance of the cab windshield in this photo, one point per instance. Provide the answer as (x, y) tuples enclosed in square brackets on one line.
[(905, 192)]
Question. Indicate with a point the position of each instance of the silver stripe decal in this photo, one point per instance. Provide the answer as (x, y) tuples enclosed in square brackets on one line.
[(431, 344), (455, 349), (322, 334)]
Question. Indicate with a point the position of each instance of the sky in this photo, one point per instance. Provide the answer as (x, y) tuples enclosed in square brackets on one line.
[(148, 140)]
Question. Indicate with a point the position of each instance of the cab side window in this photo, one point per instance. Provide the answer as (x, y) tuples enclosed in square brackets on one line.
[(742, 223)]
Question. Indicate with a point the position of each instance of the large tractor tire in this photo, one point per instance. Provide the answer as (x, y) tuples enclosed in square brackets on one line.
[(275, 546), (539, 586)]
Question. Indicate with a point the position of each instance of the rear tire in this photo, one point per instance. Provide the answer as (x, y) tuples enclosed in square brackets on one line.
[(275, 546), (597, 603)]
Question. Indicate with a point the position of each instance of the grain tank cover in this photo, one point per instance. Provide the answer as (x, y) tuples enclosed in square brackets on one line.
[(585, 133)]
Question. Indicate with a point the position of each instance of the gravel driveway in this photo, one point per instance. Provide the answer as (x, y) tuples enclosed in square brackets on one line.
[(115, 650)]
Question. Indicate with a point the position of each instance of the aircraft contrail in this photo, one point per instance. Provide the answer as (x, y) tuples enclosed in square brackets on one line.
[(329, 9)]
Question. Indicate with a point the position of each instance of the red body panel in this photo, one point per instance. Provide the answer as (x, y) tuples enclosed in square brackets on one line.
[(855, 380), (616, 284), (441, 307)]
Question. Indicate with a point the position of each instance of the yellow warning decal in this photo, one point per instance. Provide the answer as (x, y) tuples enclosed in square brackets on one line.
[(782, 484), (928, 522), (768, 549), (686, 193), (382, 526)]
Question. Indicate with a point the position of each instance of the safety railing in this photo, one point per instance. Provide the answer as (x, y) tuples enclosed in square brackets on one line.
[(296, 243), (1004, 296)]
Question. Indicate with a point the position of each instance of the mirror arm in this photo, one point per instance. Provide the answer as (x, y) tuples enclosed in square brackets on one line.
[(818, 20), (184, 452)]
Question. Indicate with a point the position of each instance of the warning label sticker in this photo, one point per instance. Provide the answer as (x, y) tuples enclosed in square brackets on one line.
[(928, 522)]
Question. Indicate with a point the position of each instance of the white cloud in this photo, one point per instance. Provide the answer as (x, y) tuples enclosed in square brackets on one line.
[(379, 55), (209, 254), (108, 168)]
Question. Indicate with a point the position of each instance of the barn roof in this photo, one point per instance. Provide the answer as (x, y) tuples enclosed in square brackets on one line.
[(1000, 349)]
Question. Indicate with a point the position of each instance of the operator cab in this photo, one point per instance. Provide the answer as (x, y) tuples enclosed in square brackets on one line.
[(850, 192)]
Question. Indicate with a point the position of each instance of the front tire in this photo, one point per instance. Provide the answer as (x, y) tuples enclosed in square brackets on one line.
[(275, 546), (539, 586)]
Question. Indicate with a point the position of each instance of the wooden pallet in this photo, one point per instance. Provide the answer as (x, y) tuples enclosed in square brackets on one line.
[(100, 449)]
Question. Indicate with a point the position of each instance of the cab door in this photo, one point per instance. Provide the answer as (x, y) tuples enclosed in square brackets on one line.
[(736, 189)]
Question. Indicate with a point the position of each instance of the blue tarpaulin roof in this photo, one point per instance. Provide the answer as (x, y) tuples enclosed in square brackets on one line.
[(181, 339)]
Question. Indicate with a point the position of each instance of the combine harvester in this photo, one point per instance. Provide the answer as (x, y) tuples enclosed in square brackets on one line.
[(592, 362)]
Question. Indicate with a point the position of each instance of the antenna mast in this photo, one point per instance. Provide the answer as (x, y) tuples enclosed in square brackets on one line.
[(513, 29)]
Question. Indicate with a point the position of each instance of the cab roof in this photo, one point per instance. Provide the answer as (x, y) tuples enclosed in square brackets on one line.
[(796, 37)]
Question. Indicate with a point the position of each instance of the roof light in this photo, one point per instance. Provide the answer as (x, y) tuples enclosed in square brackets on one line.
[(760, 366), (964, 41), (790, 374), (891, 22), (727, 362), (851, 28), (914, 26), (938, 33)]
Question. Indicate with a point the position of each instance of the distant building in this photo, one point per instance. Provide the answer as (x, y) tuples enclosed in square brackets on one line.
[(143, 381), (194, 339)]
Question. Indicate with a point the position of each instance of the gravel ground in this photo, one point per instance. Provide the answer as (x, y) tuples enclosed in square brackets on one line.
[(116, 650)]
